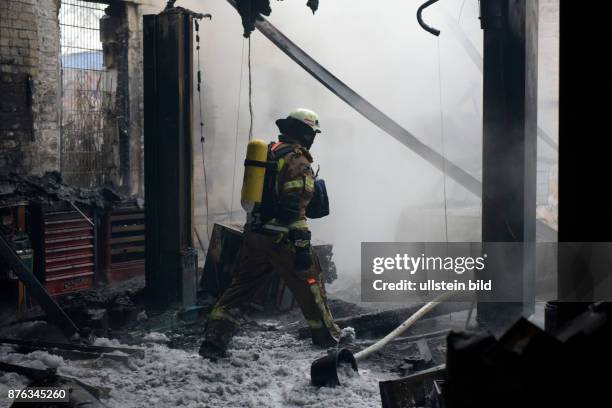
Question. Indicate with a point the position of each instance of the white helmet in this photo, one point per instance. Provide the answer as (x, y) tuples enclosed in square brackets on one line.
[(307, 117)]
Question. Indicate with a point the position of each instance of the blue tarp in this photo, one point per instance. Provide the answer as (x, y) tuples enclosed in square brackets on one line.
[(83, 60)]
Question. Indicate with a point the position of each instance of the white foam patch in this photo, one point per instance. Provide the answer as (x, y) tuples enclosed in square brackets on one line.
[(266, 369), (104, 342), (155, 337)]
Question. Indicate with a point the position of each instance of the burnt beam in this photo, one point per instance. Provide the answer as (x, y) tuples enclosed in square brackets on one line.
[(509, 155), (585, 210), (168, 79), (54, 312), (382, 323)]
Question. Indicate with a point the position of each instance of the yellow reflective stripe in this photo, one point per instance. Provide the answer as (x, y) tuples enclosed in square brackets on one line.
[(279, 166), (314, 324), (218, 313), (328, 320), (273, 226), (299, 224), (299, 184), (293, 184)]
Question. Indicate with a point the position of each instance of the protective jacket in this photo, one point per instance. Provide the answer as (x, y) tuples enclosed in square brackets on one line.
[(276, 236), (288, 188)]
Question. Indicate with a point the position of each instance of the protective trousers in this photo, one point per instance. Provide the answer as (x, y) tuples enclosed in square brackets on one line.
[(262, 255)]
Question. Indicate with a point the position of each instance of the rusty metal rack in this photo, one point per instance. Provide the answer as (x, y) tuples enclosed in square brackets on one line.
[(66, 247), (122, 249)]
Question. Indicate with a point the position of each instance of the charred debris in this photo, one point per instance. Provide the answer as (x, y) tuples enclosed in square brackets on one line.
[(252, 11), (80, 266)]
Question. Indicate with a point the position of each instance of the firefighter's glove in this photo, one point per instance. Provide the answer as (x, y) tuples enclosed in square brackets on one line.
[(303, 255), (288, 211)]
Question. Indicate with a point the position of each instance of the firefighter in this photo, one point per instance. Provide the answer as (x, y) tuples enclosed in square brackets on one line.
[(277, 240)]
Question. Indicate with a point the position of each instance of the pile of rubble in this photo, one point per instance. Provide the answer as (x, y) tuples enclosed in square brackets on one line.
[(51, 188)]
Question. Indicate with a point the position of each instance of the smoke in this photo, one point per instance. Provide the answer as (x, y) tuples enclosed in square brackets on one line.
[(379, 189)]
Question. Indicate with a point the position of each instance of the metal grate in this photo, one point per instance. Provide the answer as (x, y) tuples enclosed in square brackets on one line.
[(123, 243), (88, 96), (67, 250)]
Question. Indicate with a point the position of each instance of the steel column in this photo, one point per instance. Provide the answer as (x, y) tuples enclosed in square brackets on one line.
[(585, 210), (509, 152), (168, 79)]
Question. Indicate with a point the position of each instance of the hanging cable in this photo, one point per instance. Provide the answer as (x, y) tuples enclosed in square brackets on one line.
[(202, 139), (231, 209), (443, 148), (250, 94), (422, 23), (442, 143), (461, 11)]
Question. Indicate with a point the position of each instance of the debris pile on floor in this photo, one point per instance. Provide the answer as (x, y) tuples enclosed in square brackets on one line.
[(528, 364), (268, 366), (50, 188), (172, 377)]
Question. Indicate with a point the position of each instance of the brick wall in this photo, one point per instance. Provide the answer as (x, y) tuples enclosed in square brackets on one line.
[(30, 86)]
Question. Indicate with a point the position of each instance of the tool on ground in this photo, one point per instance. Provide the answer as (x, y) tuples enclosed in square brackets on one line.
[(324, 371)]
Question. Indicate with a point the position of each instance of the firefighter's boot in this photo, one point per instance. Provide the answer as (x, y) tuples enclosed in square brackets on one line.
[(220, 329)]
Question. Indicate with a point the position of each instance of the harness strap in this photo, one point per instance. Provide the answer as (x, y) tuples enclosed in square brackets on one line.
[(255, 163), (280, 153), (269, 165)]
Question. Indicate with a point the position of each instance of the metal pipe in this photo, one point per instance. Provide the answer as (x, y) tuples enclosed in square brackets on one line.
[(402, 327), (364, 107), (370, 112), (422, 23)]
